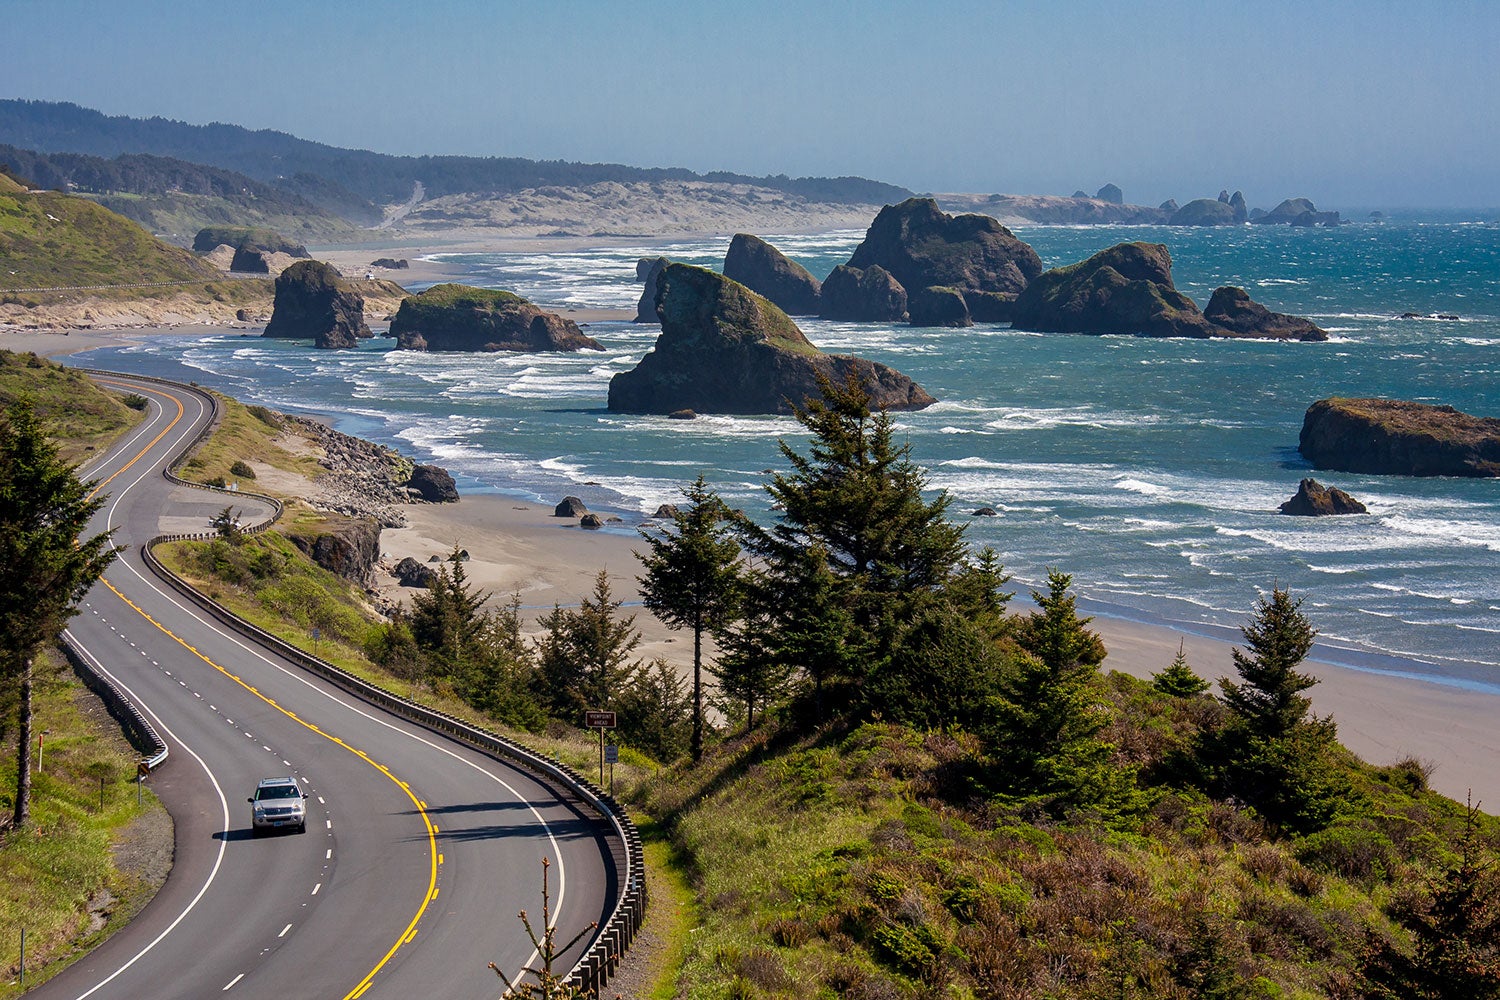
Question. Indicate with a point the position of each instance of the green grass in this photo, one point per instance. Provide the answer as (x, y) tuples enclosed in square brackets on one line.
[(249, 434), (673, 915), (52, 871), (80, 417), (450, 295)]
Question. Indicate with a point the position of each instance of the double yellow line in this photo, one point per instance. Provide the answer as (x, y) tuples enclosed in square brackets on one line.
[(411, 928)]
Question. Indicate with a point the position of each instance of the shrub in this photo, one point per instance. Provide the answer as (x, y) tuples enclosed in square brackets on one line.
[(136, 401), (1353, 852), (268, 417), (242, 470)]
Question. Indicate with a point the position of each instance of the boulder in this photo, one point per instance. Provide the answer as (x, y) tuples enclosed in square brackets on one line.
[(682, 415), (1313, 499), (1397, 437), (410, 573), (938, 306), (724, 349), (868, 295), (984, 512), (1169, 206), (591, 521), (1112, 194), (345, 546), (312, 301), (921, 245), (569, 507), (648, 269), (990, 307), (1232, 309), (463, 318), (666, 510), (433, 484), (1203, 212), (766, 271), (249, 260)]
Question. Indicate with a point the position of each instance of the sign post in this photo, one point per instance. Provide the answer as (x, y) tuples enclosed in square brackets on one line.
[(142, 772), (611, 757), (600, 721)]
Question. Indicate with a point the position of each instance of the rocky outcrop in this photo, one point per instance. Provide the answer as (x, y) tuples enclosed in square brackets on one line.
[(1313, 499), (1240, 209), (868, 295), (1128, 289), (433, 484), (1232, 309), (1297, 212), (345, 546), (766, 271), (1112, 194), (410, 573), (312, 301), (246, 237), (391, 263), (724, 349), (648, 270), (1170, 205), (990, 307), (922, 246), (1204, 212), (938, 306), (1396, 437), (462, 318)]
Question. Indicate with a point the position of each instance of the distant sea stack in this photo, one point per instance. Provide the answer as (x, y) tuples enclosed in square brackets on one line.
[(766, 271), (922, 247), (1296, 212), (648, 270), (862, 295), (314, 302), (454, 317), (1128, 289), (1396, 437), (725, 349)]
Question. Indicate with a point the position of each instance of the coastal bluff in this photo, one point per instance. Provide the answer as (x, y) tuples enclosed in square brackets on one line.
[(1401, 438), (725, 349), (453, 317)]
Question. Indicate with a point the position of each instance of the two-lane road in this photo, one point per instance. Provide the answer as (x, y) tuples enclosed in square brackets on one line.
[(419, 851)]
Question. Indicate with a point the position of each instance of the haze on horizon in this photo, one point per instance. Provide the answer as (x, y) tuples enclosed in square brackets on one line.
[(1351, 104)]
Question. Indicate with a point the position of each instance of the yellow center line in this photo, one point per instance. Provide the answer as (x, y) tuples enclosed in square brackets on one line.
[(411, 928)]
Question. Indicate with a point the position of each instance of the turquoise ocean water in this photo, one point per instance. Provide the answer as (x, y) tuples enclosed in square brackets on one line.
[(1149, 469)]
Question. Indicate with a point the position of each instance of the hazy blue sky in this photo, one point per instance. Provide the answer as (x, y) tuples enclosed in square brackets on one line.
[(1351, 103)]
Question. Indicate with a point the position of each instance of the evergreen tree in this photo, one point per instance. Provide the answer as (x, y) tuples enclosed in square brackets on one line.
[(1179, 680), (693, 580), (977, 591), (656, 712), (45, 569), (750, 673), (448, 621), (1268, 698), (1056, 635), (584, 656), (815, 631)]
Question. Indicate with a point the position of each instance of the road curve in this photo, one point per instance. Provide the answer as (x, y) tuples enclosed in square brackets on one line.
[(419, 850)]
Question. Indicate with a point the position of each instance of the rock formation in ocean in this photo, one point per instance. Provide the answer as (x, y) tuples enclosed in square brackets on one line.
[(345, 546), (1313, 499), (433, 484), (648, 270), (1080, 193), (1297, 212), (1397, 437), (246, 237), (462, 318), (938, 306), (1128, 289), (1170, 205), (868, 295), (1234, 310), (1112, 194), (1203, 212), (724, 349), (990, 307), (1241, 211), (921, 245), (312, 301), (766, 271), (570, 507)]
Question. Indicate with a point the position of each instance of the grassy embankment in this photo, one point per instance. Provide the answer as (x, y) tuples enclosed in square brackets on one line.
[(81, 870)]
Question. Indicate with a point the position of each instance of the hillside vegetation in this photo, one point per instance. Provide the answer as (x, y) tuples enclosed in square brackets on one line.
[(79, 416)]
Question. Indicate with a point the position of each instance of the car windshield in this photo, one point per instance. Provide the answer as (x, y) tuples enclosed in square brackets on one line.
[(277, 792)]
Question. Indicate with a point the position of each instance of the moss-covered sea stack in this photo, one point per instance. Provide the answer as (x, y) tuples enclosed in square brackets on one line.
[(463, 318), (313, 301), (724, 349), (767, 271), (1396, 437), (923, 246)]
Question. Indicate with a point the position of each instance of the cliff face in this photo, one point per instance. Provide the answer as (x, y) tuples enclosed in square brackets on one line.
[(766, 271), (346, 546), (868, 295), (1128, 289), (313, 301), (1395, 437), (724, 349), (461, 318), (923, 246)]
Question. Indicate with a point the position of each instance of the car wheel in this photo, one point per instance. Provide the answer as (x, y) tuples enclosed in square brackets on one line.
[(302, 827)]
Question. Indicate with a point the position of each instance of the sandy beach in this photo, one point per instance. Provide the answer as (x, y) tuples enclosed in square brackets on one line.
[(519, 547)]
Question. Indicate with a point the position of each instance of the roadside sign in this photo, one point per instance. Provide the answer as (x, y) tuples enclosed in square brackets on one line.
[(598, 720), (611, 754), (143, 770)]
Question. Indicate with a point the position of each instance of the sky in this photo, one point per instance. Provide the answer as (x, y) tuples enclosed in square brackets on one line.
[(1348, 103)]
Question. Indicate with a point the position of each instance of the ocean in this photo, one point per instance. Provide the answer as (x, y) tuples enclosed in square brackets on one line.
[(1151, 470)]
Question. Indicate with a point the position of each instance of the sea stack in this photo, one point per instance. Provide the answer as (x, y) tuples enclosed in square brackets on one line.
[(725, 349), (462, 318), (766, 271), (922, 246), (314, 301), (1397, 437)]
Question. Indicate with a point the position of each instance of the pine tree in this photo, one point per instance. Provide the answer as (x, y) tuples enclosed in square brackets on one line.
[(1179, 680), (448, 621), (1056, 635), (750, 673), (977, 591), (45, 569), (1268, 698), (656, 712), (584, 656), (693, 580)]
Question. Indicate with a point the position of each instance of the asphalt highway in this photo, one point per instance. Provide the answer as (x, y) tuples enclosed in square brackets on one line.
[(419, 851)]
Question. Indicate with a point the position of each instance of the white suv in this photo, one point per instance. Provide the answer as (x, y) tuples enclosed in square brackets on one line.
[(278, 802)]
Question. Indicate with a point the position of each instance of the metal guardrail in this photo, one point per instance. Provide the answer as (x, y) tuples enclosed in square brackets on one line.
[(142, 735), (598, 964)]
